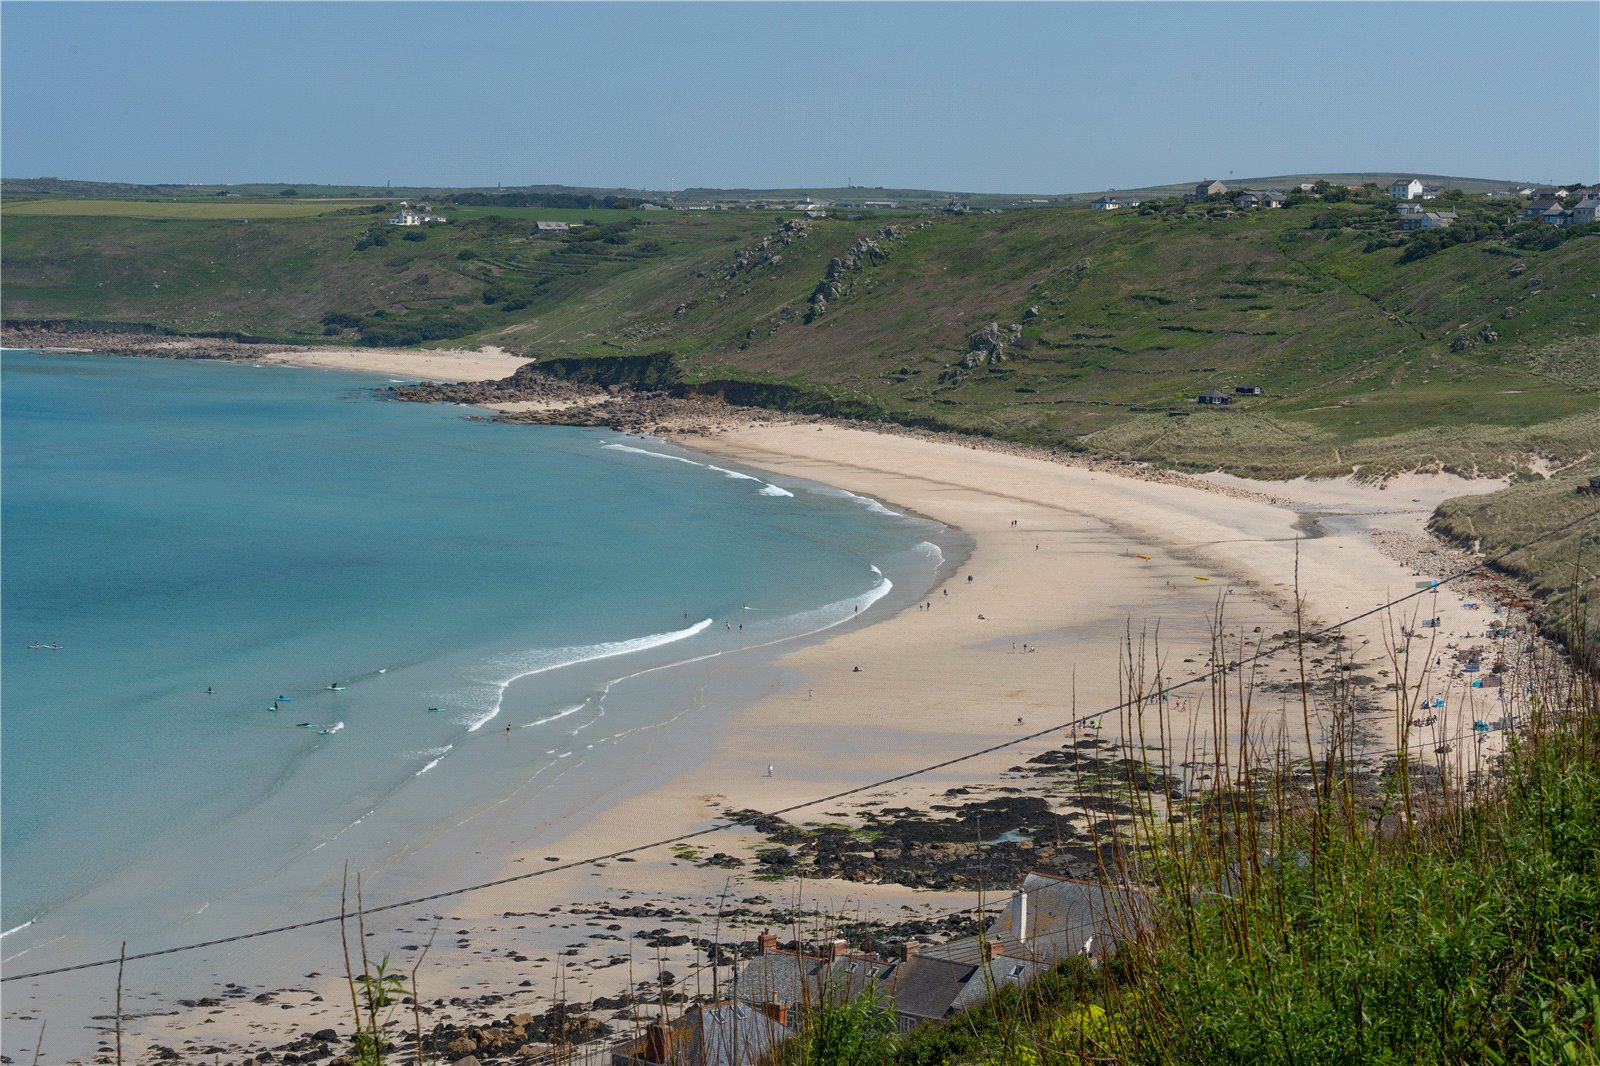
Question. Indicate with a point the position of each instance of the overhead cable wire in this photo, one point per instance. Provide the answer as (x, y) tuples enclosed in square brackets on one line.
[(991, 749)]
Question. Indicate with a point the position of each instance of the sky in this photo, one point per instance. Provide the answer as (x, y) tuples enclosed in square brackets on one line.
[(1020, 98)]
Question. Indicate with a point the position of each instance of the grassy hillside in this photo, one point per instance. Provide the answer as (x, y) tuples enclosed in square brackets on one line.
[(1562, 571), (1377, 350)]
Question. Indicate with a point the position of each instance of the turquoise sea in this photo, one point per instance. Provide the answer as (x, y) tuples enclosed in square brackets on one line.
[(283, 625)]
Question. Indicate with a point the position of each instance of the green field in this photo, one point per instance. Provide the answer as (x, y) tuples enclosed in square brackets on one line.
[(289, 207), (1478, 357)]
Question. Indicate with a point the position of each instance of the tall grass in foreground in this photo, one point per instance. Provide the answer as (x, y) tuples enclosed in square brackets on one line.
[(1311, 910), (1323, 914)]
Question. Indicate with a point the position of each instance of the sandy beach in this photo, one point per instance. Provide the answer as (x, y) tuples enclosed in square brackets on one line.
[(1077, 564), (483, 364), (1072, 566)]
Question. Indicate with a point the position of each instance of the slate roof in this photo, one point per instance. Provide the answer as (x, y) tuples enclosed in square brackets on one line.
[(717, 1034), (925, 987), (1062, 914), (1002, 971), (781, 977), (851, 975)]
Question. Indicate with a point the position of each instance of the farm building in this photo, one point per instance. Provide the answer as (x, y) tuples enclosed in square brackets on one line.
[(1248, 390), (1213, 397), (541, 228)]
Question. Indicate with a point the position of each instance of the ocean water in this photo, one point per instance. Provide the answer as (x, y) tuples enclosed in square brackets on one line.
[(296, 626)]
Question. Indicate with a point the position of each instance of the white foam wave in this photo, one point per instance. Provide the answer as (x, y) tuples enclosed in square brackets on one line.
[(559, 714), (543, 660), (24, 925), (765, 490), (438, 756), (736, 475), (651, 454), (866, 501), (932, 551)]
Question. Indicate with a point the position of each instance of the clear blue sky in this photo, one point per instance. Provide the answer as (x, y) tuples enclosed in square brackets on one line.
[(967, 97)]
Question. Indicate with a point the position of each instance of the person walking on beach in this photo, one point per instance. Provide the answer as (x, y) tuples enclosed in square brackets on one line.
[(769, 769)]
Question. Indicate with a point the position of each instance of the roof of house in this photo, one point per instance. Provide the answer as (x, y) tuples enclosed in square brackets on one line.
[(1588, 203), (1062, 915), (851, 975), (1003, 970), (785, 977), (718, 1034), (928, 987), (1204, 395), (1544, 203)]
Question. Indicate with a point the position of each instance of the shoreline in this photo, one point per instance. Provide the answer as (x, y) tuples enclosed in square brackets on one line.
[(1092, 551), (807, 725)]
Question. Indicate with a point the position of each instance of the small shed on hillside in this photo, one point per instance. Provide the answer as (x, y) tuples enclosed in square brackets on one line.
[(1213, 397), (1248, 390)]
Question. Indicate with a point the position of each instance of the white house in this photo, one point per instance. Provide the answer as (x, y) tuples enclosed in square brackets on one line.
[(414, 214), (1105, 203), (1406, 189), (1407, 209), (552, 227), (1431, 192)]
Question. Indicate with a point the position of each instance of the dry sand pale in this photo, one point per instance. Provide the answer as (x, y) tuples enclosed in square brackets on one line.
[(1069, 560), (423, 364)]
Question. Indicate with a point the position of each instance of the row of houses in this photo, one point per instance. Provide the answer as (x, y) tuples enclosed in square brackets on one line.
[(1243, 200), (1047, 920), (1554, 210)]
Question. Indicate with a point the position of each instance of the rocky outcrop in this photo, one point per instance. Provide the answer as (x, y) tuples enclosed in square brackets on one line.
[(767, 251), (990, 345), (864, 252)]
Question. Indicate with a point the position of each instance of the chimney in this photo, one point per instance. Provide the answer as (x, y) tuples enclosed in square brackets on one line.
[(996, 949), (908, 949), (767, 942), (839, 948), (657, 1040), (1021, 930), (778, 1012)]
